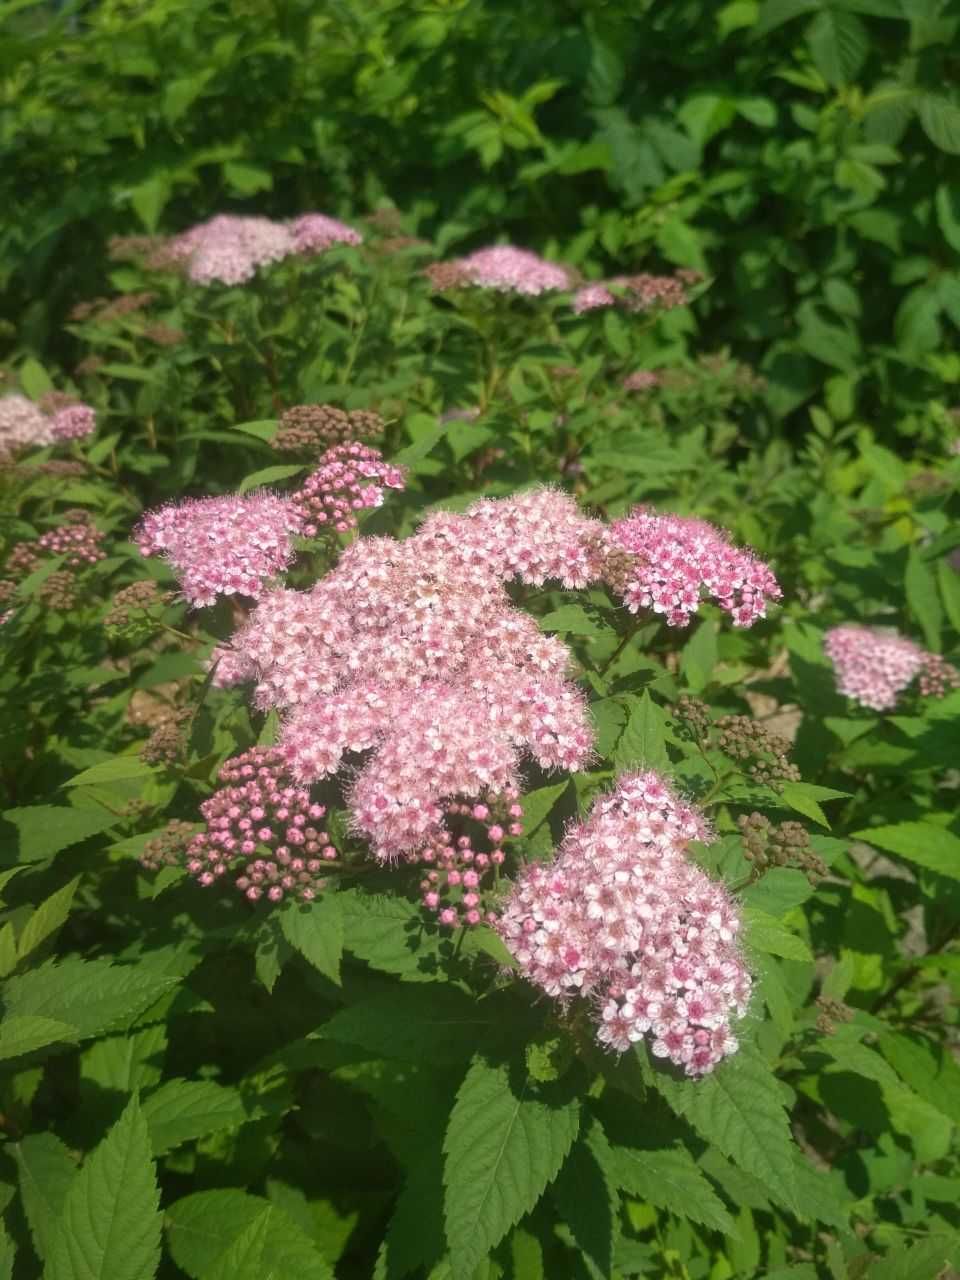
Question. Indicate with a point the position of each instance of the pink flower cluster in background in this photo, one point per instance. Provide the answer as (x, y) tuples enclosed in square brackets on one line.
[(413, 651), (503, 268), (456, 868), (80, 541), (675, 559), (260, 808), (221, 546), (229, 249), (635, 293), (874, 666), (23, 423), (623, 916), (641, 380), (351, 478)]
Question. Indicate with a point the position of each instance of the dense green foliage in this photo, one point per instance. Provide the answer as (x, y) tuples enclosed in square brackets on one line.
[(192, 1085)]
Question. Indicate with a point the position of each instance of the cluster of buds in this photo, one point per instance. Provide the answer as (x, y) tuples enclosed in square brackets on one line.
[(77, 539), (831, 1012), (263, 830), (168, 848), (135, 610), (937, 677), (641, 380), (763, 756), (104, 311), (59, 591), (787, 845), (351, 478), (456, 868), (313, 428), (637, 293), (166, 743)]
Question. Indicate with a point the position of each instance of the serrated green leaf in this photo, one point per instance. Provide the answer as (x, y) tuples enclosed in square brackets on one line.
[(268, 476), (839, 43), (125, 1063), (739, 1107), (669, 1179), (315, 929), (804, 797), (922, 843), (109, 1227), (181, 1110), (923, 598), (230, 1235), (643, 743), (767, 934), (46, 919), (119, 769), (390, 934), (25, 1033), (92, 996), (261, 429), (573, 619), (45, 829), (586, 1196), (941, 121), (46, 1171), (414, 1025), (502, 1148), (699, 656)]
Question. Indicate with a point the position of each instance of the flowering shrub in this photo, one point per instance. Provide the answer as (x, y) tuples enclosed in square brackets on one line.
[(478, 801)]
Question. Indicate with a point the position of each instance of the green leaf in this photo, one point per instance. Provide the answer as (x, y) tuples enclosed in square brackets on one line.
[(699, 656), (47, 919), (504, 1143), (739, 1107), (919, 842), (839, 43), (766, 933), (25, 1033), (805, 797), (948, 214), (109, 1228), (46, 1171), (643, 743), (414, 1024), (261, 428), (538, 805), (774, 13), (573, 619), (923, 597), (586, 1195), (315, 929), (669, 1179), (268, 476), (390, 933), (424, 444), (45, 829), (34, 379), (235, 1236), (92, 996), (119, 769), (941, 122), (181, 1110)]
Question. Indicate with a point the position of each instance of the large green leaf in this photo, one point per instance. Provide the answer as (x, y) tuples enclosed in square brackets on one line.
[(506, 1140), (839, 43), (414, 1024), (315, 929), (669, 1179), (922, 843), (643, 742), (46, 1172), (585, 1192), (230, 1235), (45, 829), (109, 1227), (390, 933), (181, 1110), (91, 995)]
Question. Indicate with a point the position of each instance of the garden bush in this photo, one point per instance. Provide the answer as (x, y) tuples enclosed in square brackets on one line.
[(479, 787)]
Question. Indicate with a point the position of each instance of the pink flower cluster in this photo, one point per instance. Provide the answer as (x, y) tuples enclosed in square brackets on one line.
[(229, 249), (874, 666), (79, 541), (456, 869), (24, 423), (632, 293), (675, 559), (221, 546), (624, 917), (262, 829), (503, 268), (350, 478), (412, 651), (641, 380)]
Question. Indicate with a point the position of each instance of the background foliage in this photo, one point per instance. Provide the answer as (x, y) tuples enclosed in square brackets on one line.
[(192, 1089)]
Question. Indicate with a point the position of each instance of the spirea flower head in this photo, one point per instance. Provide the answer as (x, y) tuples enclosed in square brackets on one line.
[(221, 546), (633, 293), (262, 830), (874, 666), (503, 268), (79, 540), (412, 651), (22, 423), (622, 916), (315, 232), (350, 478), (73, 422), (674, 560), (641, 380)]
